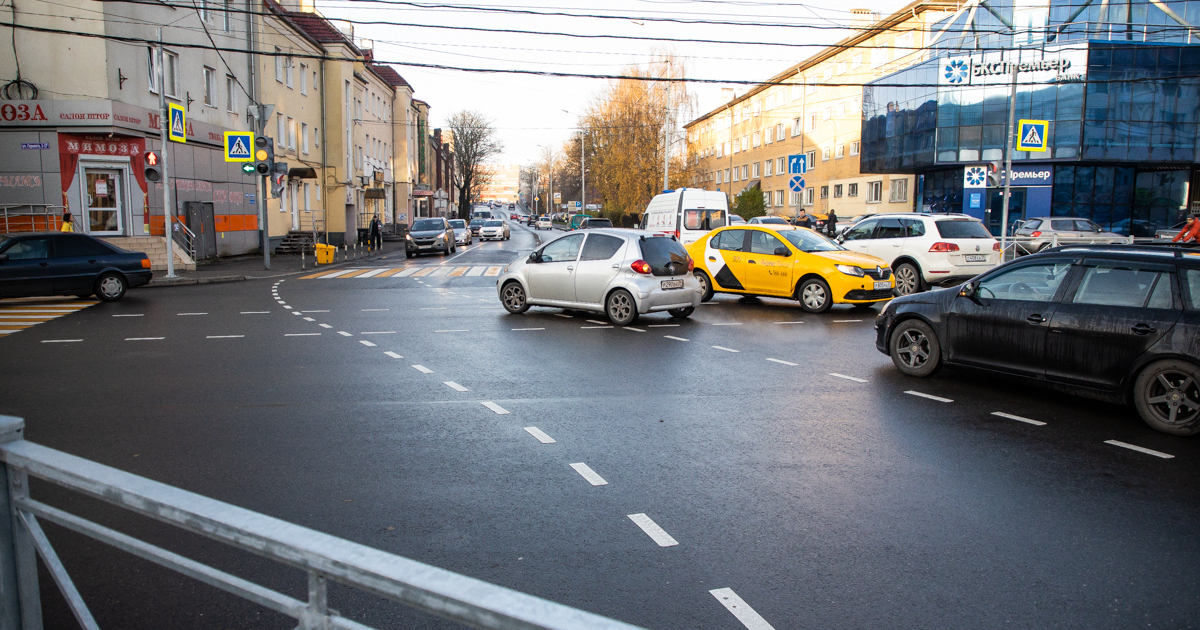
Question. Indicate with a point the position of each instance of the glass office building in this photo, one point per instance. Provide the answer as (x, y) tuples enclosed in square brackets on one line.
[(1119, 85)]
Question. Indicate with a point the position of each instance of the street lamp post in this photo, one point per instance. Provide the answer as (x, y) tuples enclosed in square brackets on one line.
[(582, 170)]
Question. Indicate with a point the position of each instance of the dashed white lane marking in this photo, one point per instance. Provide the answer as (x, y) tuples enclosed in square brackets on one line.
[(858, 380), (325, 326), (929, 396), (529, 329), (728, 324), (455, 386), (596, 321), (393, 355), (302, 334), (324, 311), (846, 321), (782, 362), (131, 315), (375, 310), (422, 369), (558, 314), (299, 314), (635, 329), (540, 435), (494, 407), (309, 319), (592, 327), (1139, 449), (378, 332), (726, 349), (789, 322), (1018, 418), (453, 330), (254, 312), (191, 313), (144, 338), (676, 338), (344, 333), (287, 307), (656, 533), (433, 308), (663, 326), (63, 340), (366, 343), (740, 609), (224, 336), (587, 473)]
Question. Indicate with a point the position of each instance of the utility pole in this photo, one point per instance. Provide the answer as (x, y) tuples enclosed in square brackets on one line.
[(165, 115), (582, 173), (1008, 151), (667, 134)]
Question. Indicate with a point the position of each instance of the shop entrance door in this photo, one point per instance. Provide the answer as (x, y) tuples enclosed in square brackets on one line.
[(995, 213), (103, 199), (200, 220)]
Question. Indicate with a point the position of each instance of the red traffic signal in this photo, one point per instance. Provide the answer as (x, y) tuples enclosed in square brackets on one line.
[(153, 168)]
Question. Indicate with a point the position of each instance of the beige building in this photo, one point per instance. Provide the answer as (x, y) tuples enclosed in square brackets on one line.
[(813, 109), (504, 185)]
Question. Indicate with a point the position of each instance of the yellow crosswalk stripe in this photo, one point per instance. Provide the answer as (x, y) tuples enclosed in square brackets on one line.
[(17, 315), (358, 272), (424, 272), (458, 271), (391, 272), (493, 271)]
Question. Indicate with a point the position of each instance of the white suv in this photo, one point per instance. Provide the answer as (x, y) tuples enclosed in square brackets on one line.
[(926, 249)]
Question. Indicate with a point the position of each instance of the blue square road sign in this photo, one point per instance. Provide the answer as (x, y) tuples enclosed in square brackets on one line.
[(797, 164)]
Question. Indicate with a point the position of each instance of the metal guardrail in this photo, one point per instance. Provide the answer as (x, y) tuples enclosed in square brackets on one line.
[(1022, 245), (27, 217), (466, 600)]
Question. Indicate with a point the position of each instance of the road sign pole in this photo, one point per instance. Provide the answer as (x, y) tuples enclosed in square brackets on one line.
[(168, 214), (1008, 151)]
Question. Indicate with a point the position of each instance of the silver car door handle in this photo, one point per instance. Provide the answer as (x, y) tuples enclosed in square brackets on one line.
[(570, 268), (616, 266)]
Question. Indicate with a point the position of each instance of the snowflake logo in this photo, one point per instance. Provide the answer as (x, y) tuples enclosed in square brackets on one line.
[(956, 71), (976, 176)]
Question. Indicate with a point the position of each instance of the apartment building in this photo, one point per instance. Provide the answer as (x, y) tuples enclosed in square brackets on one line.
[(815, 109)]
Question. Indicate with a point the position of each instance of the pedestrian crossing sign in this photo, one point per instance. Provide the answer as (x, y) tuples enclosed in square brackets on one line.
[(177, 119), (237, 146), (1031, 135)]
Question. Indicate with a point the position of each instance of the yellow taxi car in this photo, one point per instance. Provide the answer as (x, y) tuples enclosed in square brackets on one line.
[(792, 262)]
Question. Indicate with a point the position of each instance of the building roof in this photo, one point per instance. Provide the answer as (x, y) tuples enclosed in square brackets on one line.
[(312, 24), (389, 75)]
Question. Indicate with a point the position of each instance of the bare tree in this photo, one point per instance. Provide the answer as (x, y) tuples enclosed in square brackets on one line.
[(474, 144)]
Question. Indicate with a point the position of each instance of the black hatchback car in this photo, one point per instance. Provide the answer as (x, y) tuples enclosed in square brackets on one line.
[(64, 263), (1113, 322)]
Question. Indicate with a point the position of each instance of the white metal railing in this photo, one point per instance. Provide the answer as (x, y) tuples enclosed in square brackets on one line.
[(184, 238), (30, 217), (456, 597), (1022, 245)]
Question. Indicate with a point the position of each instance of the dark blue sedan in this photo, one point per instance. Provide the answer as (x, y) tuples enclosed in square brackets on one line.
[(63, 263)]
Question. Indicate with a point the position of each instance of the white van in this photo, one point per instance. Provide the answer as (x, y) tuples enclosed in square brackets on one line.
[(687, 213)]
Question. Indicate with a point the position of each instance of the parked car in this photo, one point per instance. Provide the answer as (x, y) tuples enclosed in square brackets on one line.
[(621, 273), (576, 220), (430, 235), (595, 222), (768, 220), (1118, 323), (736, 219), (688, 213), (1038, 234), (789, 262), (63, 263), (543, 223), (477, 223), (462, 233), (1171, 232), (925, 250), (494, 230)]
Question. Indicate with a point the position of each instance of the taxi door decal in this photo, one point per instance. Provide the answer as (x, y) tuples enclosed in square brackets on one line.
[(715, 260)]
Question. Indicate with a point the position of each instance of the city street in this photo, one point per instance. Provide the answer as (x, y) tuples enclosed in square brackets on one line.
[(630, 472)]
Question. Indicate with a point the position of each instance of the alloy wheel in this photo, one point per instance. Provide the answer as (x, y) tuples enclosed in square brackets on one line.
[(1174, 397), (111, 287), (913, 348), (514, 297), (906, 280), (619, 307), (814, 296)]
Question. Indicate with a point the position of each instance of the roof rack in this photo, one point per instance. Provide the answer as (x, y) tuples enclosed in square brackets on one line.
[(1175, 249)]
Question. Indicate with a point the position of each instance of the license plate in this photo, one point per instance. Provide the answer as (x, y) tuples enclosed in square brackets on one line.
[(672, 284), (427, 247), (976, 258), (883, 285)]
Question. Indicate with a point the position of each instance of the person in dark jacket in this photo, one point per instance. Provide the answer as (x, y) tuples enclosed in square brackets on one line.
[(831, 224), (375, 239), (803, 220)]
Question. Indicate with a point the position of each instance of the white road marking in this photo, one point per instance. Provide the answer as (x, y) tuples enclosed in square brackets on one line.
[(287, 307), (726, 349), (663, 326), (595, 321), (676, 338), (325, 311), (375, 310), (255, 312), (373, 272), (929, 396), (494, 407), (476, 271), (378, 332), (587, 473), (225, 336), (656, 533), (422, 369), (433, 308), (782, 362), (635, 329), (298, 313), (325, 326), (556, 314), (302, 334), (728, 324), (366, 343), (454, 330), (191, 313), (455, 386), (846, 321), (593, 327), (406, 272), (529, 329), (63, 340), (344, 333), (309, 319), (1018, 418), (131, 315), (1139, 449), (540, 435), (789, 322), (740, 609), (393, 355), (144, 338), (859, 380), (336, 274)]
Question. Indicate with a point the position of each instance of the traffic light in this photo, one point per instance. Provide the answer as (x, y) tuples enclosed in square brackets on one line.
[(279, 172), (995, 175), (264, 154), (153, 162)]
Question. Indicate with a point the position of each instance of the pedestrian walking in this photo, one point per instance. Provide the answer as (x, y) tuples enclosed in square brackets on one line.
[(375, 239), (803, 220), (68, 224), (831, 224), (1190, 232)]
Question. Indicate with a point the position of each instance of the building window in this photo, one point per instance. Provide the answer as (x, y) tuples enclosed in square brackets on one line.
[(278, 65), (812, 122), (720, 177), (781, 166), (756, 139), (827, 113), (226, 24), (304, 79), (727, 175), (837, 191), (304, 138), (825, 192), (230, 93), (757, 169), (898, 191), (795, 127), (171, 76), (856, 61), (854, 148), (769, 136), (841, 151), (210, 87), (202, 9), (768, 168), (317, 141), (811, 160), (809, 194), (289, 66), (737, 174), (280, 131), (841, 67), (779, 132), (851, 190), (796, 198), (745, 171), (874, 192), (824, 154), (767, 198), (779, 197)]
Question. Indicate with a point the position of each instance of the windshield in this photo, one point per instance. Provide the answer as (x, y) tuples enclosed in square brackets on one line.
[(492, 224), (458, 224), (958, 228), (808, 241), (4, 239), (425, 225)]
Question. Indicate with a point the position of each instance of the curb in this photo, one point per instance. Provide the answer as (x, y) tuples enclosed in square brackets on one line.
[(174, 282)]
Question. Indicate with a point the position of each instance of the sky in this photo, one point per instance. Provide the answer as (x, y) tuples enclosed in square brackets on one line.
[(529, 111)]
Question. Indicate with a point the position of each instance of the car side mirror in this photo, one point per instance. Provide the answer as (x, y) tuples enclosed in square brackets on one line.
[(781, 251), (3, 257), (841, 238), (967, 290), (535, 257)]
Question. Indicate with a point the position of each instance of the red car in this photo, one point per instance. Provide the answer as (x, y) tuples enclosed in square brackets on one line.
[(512, 217)]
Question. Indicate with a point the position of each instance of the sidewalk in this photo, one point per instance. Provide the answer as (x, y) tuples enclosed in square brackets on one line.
[(238, 268)]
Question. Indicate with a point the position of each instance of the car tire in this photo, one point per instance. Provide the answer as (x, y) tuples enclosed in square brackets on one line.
[(705, 285), (620, 308), (110, 287), (83, 296), (908, 279), (682, 313), (513, 297), (814, 295), (864, 307), (409, 254), (1167, 397), (915, 349)]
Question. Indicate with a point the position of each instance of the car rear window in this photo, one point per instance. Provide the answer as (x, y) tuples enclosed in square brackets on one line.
[(599, 223), (958, 228), (661, 251)]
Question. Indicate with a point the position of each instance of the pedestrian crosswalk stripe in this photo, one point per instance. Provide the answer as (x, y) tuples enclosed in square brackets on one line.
[(387, 273), (373, 272), (440, 271), (475, 271), (356, 272), (17, 315), (424, 272), (493, 271), (460, 271)]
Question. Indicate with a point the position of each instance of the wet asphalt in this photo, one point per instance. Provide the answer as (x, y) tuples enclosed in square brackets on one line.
[(784, 455)]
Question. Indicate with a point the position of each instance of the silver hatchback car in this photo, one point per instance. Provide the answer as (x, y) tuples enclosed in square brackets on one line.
[(621, 273)]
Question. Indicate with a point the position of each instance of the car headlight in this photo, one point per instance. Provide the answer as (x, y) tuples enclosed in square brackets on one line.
[(408, 237), (850, 270), (441, 237)]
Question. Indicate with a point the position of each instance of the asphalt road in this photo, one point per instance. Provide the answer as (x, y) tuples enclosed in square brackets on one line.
[(784, 456)]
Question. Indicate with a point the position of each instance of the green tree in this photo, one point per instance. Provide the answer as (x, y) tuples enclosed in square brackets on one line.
[(749, 203)]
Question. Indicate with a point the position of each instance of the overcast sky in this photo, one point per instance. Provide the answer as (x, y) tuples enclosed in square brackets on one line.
[(528, 110)]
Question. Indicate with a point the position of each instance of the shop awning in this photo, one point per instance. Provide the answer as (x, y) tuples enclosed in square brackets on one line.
[(302, 172), (752, 184), (422, 193), (376, 193)]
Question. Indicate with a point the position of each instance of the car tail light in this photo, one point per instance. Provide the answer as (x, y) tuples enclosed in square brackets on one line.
[(677, 235), (641, 266), (145, 263), (1037, 233), (996, 246), (691, 264), (944, 247)]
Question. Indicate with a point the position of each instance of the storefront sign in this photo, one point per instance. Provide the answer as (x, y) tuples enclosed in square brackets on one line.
[(71, 146), (1064, 65), (35, 146), (1041, 175)]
